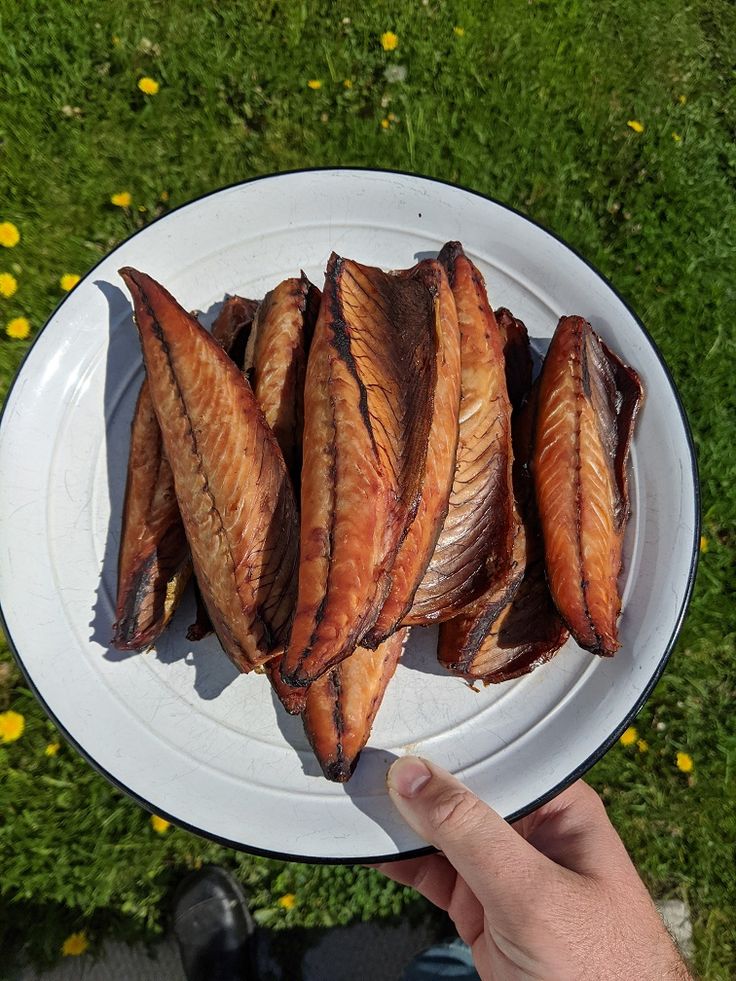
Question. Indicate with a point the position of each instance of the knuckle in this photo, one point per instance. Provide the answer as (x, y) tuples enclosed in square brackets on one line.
[(596, 807), (588, 794), (587, 800), (454, 811)]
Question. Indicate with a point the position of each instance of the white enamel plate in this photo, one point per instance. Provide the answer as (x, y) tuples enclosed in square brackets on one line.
[(177, 727)]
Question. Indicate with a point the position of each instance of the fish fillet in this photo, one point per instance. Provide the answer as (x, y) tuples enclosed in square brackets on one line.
[(517, 356), (277, 361), (473, 551), (154, 564), (233, 326), (510, 631), (588, 402), (419, 545), (367, 417), (341, 706), (231, 330), (282, 334), (231, 483)]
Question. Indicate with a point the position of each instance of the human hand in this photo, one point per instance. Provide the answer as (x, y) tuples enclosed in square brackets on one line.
[(554, 896)]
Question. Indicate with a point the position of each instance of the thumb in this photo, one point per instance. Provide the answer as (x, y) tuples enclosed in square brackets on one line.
[(478, 843)]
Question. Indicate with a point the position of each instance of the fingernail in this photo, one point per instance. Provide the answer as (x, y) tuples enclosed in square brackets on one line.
[(408, 775)]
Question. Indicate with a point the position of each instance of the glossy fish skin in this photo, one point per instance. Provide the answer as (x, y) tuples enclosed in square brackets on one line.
[(366, 425), (585, 416), (231, 483), (506, 634), (341, 706), (473, 551), (154, 564), (282, 333), (418, 546)]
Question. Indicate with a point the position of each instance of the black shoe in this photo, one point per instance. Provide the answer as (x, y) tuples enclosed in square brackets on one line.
[(213, 927)]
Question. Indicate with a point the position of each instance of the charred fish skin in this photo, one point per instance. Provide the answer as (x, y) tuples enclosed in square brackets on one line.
[(367, 401), (462, 639), (233, 326), (231, 484), (154, 564), (505, 635), (630, 398), (420, 540), (473, 551), (282, 333), (341, 706), (583, 429), (527, 633), (517, 356), (293, 699)]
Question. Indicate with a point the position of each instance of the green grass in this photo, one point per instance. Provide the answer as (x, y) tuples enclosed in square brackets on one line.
[(530, 105)]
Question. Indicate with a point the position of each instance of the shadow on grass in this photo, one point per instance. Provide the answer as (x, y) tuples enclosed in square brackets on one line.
[(33, 935), (371, 949)]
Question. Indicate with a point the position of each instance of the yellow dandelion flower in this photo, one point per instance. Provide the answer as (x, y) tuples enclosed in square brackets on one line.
[(635, 125), (389, 41), (160, 825), (682, 99), (12, 725), (288, 901), (68, 281), (314, 83), (676, 137), (52, 749), (18, 328), (460, 31), (385, 124), (704, 543), (8, 285), (164, 196), (148, 86), (9, 234), (122, 199), (629, 737), (684, 762), (75, 944), (642, 745), (348, 83)]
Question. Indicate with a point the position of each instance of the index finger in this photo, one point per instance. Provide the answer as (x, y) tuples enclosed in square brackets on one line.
[(430, 875)]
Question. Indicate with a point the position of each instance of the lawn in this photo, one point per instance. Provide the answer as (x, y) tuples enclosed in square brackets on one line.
[(531, 102)]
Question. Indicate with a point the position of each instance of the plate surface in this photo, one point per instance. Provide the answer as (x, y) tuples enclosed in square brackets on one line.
[(177, 727)]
